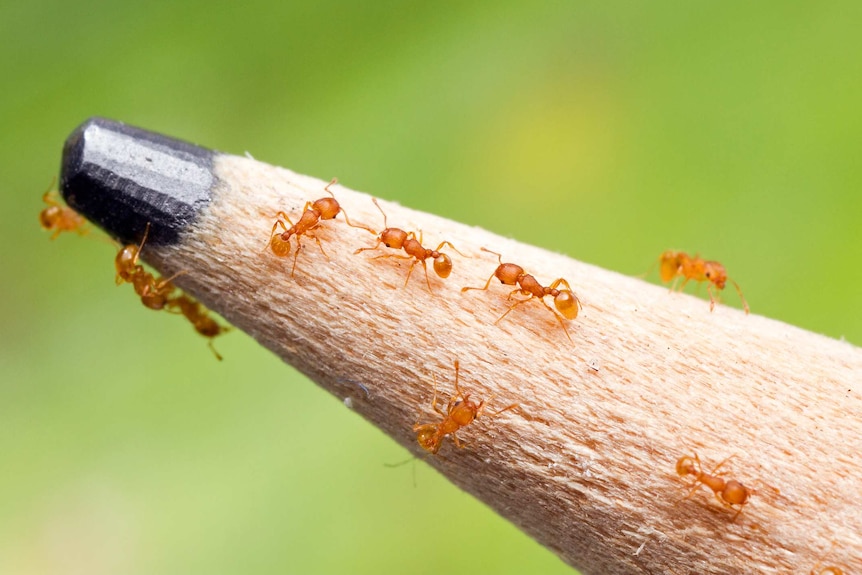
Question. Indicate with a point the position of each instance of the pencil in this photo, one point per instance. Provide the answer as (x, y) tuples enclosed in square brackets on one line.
[(586, 463)]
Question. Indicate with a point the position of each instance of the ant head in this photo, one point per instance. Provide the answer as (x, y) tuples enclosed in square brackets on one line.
[(509, 274), (567, 303), (426, 435), (686, 466), (393, 238), (715, 273), (668, 265), (327, 207), (49, 216), (443, 265), (125, 262)]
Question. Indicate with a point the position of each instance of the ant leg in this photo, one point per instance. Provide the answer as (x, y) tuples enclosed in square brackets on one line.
[(499, 257), (295, 255), (516, 304), (385, 224), (712, 297), (560, 281), (410, 271), (360, 226), (277, 223), (374, 247), (496, 413), (739, 291), (695, 487), (559, 319), (332, 182), (487, 283), (458, 442), (164, 282), (453, 248), (141, 246), (320, 245), (434, 401), (427, 281), (213, 349), (520, 291), (458, 392), (722, 462)]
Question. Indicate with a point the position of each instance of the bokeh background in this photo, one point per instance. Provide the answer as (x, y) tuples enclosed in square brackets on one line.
[(606, 130)]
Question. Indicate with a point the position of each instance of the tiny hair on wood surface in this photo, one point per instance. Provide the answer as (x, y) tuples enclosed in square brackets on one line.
[(648, 435)]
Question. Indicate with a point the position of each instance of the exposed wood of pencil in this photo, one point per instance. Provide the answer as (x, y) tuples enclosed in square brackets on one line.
[(587, 466)]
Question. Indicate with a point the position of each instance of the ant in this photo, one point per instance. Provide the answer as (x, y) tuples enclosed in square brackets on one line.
[(59, 218), (673, 265), (199, 317), (460, 412), (312, 214), (565, 300), (398, 239), (154, 293), (728, 492)]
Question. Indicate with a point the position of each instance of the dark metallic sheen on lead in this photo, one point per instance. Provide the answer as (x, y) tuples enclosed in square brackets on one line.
[(122, 178)]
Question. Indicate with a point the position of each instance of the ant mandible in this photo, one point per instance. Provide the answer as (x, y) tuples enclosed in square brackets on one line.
[(565, 300), (728, 492), (200, 319), (460, 412), (674, 265), (312, 214), (398, 239), (154, 292), (58, 218)]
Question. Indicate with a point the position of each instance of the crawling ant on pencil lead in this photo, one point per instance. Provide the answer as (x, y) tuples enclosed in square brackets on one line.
[(674, 265), (57, 217), (312, 214), (728, 492), (460, 412), (398, 239), (567, 303)]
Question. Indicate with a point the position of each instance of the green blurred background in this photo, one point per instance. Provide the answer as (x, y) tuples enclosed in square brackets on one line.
[(606, 130)]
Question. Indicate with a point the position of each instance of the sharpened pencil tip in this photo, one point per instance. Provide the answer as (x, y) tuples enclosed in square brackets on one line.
[(122, 178)]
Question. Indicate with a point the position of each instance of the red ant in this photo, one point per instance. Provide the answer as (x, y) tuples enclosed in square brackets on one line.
[(154, 292), (460, 412), (199, 317), (565, 300), (728, 492), (312, 214), (398, 239), (673, 265), (60, 218)]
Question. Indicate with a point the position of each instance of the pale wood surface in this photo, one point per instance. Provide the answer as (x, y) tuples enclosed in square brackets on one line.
[(587, 468)]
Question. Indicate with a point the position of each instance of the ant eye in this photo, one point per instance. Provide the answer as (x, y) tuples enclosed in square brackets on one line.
[(708, 274)]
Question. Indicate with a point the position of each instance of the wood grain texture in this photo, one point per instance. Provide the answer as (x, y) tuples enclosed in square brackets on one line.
[(587, 466)]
